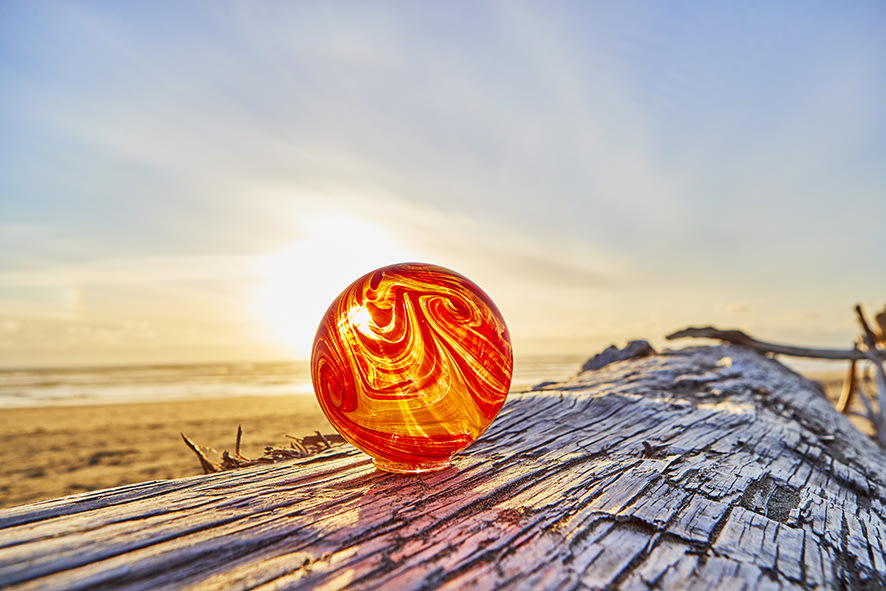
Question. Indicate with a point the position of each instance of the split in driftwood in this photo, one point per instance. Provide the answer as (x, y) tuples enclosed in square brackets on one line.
[(705, 468)]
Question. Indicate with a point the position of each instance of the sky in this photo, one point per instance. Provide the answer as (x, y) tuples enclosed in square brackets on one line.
[(196, 181)]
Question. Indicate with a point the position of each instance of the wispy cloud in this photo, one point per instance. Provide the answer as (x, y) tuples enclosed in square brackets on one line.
[(602, 170)]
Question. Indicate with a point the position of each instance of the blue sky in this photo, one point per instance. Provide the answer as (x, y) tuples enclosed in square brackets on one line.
[(186, 181)]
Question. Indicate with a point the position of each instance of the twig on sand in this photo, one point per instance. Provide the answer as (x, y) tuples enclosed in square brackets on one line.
[(300, 447), (205, 463)]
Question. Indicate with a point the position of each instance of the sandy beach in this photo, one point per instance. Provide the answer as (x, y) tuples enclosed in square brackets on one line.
[(51, 452)]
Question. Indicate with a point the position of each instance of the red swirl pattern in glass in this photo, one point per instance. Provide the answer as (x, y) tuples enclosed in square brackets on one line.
[(411, 363)]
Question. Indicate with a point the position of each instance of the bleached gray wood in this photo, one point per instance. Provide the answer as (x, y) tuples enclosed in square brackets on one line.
[(709, 468)]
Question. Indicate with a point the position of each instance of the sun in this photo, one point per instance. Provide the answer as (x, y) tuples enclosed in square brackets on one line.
[(297, 284), (360, 318)]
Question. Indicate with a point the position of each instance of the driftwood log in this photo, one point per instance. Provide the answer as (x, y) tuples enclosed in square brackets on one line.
[(707, 468)]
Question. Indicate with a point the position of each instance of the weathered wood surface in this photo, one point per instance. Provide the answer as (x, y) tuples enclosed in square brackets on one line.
[(697, 469)]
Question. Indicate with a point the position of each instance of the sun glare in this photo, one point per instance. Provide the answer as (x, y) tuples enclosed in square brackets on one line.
[(361, 319), (298, 283)]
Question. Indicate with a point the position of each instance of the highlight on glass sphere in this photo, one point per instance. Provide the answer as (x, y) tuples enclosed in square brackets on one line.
[(411, 363)]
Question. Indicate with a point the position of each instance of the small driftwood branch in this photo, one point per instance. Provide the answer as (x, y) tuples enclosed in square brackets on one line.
[(880, 319), (737, 337), (868, 407), (849, 387), (871, 352)]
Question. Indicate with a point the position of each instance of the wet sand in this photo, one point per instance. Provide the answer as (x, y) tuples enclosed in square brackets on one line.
[(56, 451)]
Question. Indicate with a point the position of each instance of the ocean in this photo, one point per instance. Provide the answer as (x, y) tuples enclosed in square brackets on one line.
[(156, 383)]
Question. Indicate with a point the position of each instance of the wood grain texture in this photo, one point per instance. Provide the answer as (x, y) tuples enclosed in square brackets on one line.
[(702, 468)]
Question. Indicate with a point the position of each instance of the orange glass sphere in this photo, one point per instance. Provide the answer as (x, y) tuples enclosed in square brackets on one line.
[(411, 363)]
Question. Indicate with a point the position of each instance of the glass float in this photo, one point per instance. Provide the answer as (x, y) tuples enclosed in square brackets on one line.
[(411, 363)]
